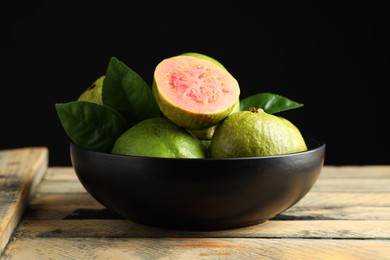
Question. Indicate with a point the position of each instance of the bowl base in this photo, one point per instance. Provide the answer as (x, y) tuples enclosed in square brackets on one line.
[(198, 227)]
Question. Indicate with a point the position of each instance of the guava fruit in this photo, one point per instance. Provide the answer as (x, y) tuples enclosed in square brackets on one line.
[(251, 133), (194, 93), (207, 134), (93, 93), (204, 134), (298, 140), (158, 137), (205, 57)]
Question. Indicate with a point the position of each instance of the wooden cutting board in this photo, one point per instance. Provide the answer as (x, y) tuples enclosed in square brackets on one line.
[(21, 170)]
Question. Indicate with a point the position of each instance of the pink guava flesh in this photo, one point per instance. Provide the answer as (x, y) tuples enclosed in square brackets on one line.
[(196, 85)]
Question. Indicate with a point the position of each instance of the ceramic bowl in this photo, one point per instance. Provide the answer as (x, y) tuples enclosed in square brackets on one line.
[(200, 194)]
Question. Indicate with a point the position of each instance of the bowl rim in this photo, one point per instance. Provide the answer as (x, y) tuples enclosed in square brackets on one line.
[(321, 144)]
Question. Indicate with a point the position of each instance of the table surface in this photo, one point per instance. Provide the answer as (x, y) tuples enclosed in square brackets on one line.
[(346, 215)]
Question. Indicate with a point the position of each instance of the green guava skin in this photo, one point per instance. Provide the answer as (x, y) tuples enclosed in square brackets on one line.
[(193, 120), (159, 137), (93, 93), (188, 119), (204, 134), (207, 134), (298, 140), (205, 57), (249, 134)]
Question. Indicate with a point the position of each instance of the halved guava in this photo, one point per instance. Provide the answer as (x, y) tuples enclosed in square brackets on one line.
[(194, 93)]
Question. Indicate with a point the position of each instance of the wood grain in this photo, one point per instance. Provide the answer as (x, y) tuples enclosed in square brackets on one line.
[(345, 216), (122, 228), (21, 169), (197, 248)]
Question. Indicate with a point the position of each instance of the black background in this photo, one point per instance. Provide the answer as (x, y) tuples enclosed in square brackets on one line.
[(332, 56)]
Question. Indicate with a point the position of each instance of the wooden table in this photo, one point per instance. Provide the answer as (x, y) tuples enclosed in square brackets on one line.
[(345, 216)]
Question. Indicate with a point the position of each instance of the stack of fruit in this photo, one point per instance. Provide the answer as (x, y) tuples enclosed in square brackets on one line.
[(192, 110)]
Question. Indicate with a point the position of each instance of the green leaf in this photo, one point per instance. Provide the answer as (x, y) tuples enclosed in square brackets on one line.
[(126, 92), (269, 102), (92, 126)]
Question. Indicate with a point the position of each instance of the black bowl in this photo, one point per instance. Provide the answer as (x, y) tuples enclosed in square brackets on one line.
[(201, 194)]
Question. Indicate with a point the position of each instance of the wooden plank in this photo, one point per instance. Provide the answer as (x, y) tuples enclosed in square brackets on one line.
[(356, 172), (52, 201), (296, 213), (320, 229), (330, 222), (341, 199), (341, 185), (312, 199), (328, 172), (323, 185), (336, 213), (60, 187), (61, 174), (313, 206), (352, 185), (21, 169), (46, 206), (61, 196), (70, 182), (62, 206), (195, 248)]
